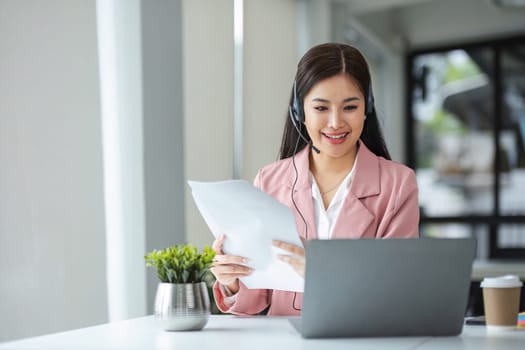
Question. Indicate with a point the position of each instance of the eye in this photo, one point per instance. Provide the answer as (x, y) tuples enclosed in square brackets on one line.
[(320, 108), (350, 108)]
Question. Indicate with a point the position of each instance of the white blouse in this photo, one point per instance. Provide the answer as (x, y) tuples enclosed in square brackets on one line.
[(326, 218)]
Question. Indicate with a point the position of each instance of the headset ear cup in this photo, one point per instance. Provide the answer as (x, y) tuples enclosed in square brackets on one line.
[(300, 113), (296, 106), (369, 109), (296, 111)]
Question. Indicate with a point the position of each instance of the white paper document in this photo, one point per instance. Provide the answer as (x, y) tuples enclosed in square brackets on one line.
[(250, 219)]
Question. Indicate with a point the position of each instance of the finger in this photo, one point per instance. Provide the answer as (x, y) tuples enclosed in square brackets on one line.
[(217, 244), (230, 271), (238, 272), (292, 248), (296, 263), (231, 267), (229, 259)]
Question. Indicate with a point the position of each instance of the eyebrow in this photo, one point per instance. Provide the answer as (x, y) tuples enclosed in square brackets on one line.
[(349, 99)]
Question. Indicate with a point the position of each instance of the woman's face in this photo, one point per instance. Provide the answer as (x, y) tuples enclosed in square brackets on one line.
[(334, 115)]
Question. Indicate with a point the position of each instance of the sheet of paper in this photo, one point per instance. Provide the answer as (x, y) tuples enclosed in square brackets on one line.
[(250, 219)]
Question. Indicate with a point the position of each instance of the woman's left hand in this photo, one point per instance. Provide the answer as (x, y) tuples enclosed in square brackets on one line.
[(296, 258)]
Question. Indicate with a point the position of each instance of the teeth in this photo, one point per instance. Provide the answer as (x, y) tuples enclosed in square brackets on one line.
[(336, 137)]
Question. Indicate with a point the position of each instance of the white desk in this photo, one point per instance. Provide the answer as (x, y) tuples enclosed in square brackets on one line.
[(268, 333)]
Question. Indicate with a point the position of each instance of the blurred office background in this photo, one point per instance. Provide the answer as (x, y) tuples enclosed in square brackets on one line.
[(108, 107)]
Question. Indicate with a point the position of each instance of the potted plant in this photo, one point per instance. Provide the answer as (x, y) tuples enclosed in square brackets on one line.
[(182, 301)]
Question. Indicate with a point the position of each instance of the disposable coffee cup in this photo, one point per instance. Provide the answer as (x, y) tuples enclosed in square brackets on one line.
[(501, 300)]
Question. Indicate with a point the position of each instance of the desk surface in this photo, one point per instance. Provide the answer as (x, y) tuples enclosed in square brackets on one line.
[(261, 332)]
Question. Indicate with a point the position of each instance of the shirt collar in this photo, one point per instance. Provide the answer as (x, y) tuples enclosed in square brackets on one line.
[(341, 190)]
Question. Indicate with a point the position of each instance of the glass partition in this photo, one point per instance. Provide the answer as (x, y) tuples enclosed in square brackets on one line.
[(466, 142), (512, 132), (452, 116)]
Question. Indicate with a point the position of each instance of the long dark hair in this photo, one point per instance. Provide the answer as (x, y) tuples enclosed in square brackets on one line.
[(322, 62)]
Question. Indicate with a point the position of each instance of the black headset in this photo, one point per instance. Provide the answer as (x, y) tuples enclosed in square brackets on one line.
[(297, 113)]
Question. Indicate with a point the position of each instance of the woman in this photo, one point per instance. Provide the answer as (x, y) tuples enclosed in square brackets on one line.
[(334, 172)]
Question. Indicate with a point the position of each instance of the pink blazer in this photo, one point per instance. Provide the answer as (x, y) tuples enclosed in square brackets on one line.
[(382, 202)]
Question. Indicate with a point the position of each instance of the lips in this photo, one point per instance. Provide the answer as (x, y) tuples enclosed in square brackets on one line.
[(336, 138)]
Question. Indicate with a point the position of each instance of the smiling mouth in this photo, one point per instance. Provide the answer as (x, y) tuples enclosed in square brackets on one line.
[(336, 137)]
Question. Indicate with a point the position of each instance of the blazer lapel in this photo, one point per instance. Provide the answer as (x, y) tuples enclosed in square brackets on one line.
[(303, 199), (302, 195), (355, 218)]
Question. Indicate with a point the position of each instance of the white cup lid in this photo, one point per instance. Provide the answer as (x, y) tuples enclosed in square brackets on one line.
[(508, 281)]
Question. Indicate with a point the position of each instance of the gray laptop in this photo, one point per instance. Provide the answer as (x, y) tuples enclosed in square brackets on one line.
[(385, 287)]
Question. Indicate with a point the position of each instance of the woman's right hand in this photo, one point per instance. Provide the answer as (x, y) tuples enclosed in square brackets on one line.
[(228, 268)]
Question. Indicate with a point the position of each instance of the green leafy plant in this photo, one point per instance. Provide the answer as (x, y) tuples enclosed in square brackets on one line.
[(181, 263)]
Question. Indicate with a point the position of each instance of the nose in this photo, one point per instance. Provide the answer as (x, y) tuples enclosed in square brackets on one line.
[(335, 119)]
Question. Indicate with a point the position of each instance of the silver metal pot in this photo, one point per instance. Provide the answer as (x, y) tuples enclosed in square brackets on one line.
[(182, 307)]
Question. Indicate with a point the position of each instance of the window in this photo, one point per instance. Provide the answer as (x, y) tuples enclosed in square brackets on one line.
[(466, 142)]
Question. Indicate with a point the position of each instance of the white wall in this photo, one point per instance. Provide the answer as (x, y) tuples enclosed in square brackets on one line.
[(207, 27), (52, 244), (270, 57), (270, 61), (164, 183)]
